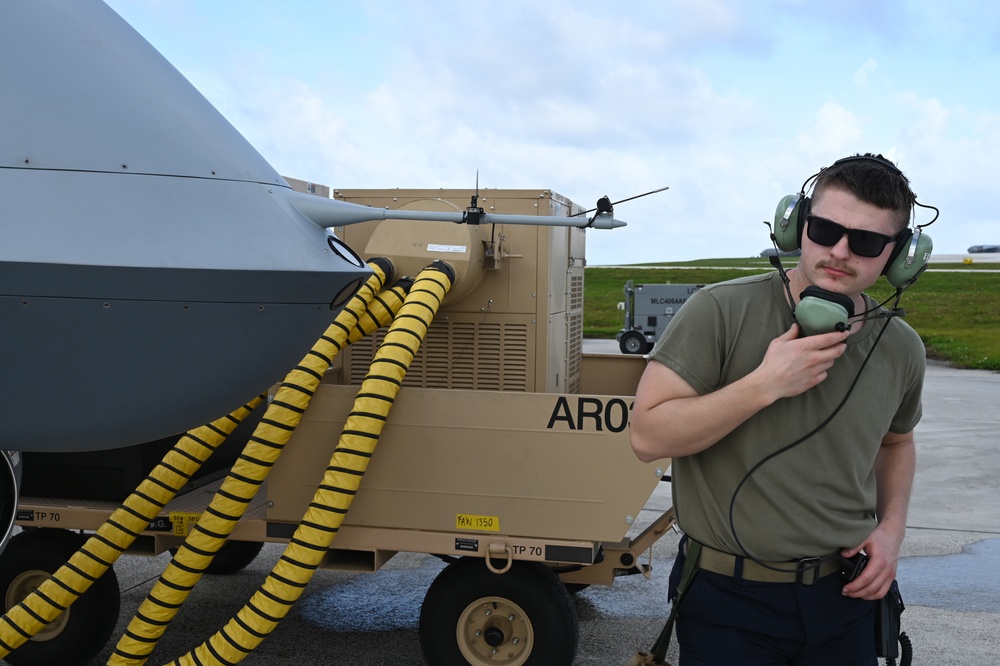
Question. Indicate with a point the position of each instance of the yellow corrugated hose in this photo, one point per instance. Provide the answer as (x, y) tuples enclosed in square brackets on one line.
[(135, 514), (325, 514), (363, 315), (101, 550)]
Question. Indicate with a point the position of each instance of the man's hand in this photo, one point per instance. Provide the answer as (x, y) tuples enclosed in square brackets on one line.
[(671, 419), (793, 365), (882, 547)]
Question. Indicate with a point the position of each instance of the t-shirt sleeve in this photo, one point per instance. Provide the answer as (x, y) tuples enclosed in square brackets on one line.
[(690, 344), (911, 407)]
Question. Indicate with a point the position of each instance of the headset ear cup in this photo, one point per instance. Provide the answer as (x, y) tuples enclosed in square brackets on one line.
[(901, 247), (900, 274), (788, 217)]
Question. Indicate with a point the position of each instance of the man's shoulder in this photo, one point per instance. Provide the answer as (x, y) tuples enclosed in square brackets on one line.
[(744, 281), (900, 331), (741, 290), (905, 337)]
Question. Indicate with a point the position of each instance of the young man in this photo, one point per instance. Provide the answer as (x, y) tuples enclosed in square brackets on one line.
[(789, 450)]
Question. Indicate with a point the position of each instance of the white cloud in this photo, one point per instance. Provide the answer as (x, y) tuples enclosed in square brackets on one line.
[(836, 131), (731, 104), (950, 155), (862, 76)]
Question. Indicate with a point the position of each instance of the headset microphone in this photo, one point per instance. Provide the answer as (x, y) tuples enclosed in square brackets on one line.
[(822, 311), (819, 310)]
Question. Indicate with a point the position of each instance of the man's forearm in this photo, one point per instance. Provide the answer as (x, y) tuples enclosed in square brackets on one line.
[(895, 466), (685, 425)]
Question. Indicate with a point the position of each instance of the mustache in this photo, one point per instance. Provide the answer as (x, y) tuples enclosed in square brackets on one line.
[(835, 266)]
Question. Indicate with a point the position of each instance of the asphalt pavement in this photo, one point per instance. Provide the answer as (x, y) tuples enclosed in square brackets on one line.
[(948, 574)]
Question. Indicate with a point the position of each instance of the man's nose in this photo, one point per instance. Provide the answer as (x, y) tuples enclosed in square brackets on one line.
[(842, 247)]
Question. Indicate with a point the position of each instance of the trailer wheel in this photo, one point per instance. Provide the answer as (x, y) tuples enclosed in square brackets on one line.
[(80, 632), (633, 342), (524, 617), (573, 588), (234, 556)]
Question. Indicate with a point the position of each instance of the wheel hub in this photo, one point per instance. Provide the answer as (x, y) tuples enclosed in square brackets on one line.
[(21, 587), (494, 630), (494, 636)]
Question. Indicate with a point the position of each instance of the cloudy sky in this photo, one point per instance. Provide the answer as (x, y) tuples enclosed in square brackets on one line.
[(730, 103)]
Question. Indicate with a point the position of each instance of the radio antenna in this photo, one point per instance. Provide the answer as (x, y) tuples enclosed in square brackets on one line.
[(638, 196)]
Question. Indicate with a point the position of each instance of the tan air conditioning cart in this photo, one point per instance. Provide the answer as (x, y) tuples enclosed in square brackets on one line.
[(505, 452)]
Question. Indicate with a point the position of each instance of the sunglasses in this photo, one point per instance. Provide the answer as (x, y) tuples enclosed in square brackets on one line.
[(862, 242)]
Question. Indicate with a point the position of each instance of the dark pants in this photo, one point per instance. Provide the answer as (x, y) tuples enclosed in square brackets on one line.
[(723, 621)]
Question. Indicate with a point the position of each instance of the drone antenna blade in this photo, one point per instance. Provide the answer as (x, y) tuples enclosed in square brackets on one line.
[(644, 194)]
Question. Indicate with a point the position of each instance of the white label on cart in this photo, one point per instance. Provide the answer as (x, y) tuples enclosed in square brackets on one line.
[(436, 247)]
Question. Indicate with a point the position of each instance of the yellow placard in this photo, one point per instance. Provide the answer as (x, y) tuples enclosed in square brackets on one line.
[(465, 521), (183, 521)]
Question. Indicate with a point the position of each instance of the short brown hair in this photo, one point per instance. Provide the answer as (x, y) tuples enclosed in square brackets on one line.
[(873, 179)]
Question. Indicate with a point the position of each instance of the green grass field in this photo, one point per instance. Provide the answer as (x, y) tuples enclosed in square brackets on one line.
[(957, 314)]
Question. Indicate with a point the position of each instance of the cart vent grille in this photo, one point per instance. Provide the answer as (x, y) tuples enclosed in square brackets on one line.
[(574, 334), (576, 293), (459, 355), (574, 372)]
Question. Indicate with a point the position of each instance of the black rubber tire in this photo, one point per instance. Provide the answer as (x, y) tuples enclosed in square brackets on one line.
[(84, 629), (232, 557), (535, 623), (633, 342), (573, 588)]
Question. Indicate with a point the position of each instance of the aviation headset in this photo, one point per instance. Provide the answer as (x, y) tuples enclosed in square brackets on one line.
[(909, 256), (819, 310)]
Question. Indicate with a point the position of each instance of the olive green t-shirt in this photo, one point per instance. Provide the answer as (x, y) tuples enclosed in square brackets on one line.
[(819, 496)]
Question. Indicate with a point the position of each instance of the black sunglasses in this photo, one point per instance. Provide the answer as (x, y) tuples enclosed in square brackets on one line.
[(862, 242)]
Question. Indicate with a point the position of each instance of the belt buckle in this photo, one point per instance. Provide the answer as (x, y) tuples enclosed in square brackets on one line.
[(807, 570)]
